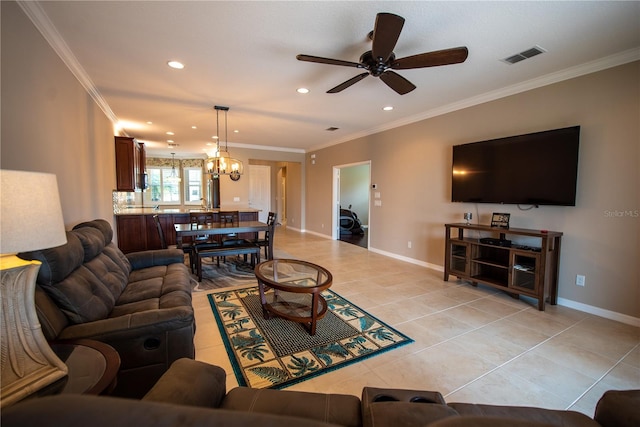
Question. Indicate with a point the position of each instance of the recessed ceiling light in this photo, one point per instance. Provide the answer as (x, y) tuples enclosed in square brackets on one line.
[(194, 127), (302, 90), (387, 108), (175, 64), (214, 137), (236, 131), (170, 133), (149, 123), (169, 140)]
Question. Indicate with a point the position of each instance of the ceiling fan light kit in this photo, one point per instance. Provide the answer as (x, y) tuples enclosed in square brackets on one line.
[(380, 60)]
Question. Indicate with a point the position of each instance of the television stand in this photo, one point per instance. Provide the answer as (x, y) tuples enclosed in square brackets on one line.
[(498, 262)]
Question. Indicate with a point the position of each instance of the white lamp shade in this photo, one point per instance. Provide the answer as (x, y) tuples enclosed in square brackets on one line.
[(30, 212)]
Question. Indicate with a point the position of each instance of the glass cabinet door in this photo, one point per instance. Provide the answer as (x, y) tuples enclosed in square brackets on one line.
[(524, 269), (459, 259)]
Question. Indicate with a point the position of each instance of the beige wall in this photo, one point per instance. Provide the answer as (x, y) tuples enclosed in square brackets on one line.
[(412, 164), (51, 124)]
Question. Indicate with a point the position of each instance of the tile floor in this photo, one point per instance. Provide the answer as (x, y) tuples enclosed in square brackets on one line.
[(471, 344)]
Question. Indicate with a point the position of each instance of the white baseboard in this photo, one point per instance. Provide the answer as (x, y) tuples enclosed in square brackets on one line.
[(601, 312), (324, 236), (407, 259)]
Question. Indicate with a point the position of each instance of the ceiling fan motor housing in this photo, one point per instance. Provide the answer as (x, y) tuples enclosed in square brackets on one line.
[(375, 66)]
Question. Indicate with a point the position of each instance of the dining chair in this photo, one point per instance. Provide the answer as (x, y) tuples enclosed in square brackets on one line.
[(186, 247), (263, 241), (202, 218), (231, 219)]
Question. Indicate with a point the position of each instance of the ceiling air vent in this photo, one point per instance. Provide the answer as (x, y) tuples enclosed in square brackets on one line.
[(172, 145), (332, 128), (525, 54)]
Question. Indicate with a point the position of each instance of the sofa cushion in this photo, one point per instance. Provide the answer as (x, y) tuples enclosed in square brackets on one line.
[(74, 410), (339, 409), (190, 382), (548, 416), (92, 242), (58, 262), (486, 422), (406, 414), (100, 224), (618, 408)]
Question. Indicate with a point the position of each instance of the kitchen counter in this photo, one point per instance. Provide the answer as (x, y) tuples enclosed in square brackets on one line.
[(173, 211), (137, 229)]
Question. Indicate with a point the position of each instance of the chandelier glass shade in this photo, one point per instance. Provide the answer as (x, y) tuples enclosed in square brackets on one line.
[(174, 176), (220, 162)]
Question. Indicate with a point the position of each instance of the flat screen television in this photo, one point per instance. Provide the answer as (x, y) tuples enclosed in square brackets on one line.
[(534, 169)]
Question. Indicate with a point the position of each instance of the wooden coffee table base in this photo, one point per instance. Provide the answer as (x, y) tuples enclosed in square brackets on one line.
[(297, 286)]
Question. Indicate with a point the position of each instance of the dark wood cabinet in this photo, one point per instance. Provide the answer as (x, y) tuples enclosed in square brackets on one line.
[(139, 233), (130, 164), (132, 233), (498, 262)]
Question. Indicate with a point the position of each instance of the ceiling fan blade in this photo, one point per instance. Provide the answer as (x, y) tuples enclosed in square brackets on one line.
[(396, 82), (455, 55), (351, 81), (320, 60), (385, 35)]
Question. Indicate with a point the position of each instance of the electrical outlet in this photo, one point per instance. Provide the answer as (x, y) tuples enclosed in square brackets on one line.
[(580, 280), (409, 244)]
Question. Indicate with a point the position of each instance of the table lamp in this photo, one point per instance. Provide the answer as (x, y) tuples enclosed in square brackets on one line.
[(30, 219)]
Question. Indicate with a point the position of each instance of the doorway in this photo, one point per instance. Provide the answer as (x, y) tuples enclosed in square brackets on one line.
[(281, 196), (351, 183), (260, 190)]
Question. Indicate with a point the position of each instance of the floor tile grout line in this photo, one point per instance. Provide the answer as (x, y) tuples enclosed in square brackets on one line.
[(513, 358), (603, 375)]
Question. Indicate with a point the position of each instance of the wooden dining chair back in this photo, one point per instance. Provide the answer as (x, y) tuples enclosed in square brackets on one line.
[(163, 240), (263, 241), (185, 247), (202, 218), (230, 219)]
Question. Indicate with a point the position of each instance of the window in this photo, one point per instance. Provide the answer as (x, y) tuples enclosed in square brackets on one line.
[(193, 185), (162, 189), (165, 191)]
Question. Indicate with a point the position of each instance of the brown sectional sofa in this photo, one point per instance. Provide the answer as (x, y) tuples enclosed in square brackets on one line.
[(139, 303), (193, 393)]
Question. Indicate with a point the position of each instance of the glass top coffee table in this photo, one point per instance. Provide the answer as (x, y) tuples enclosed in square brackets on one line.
[(296, 292)]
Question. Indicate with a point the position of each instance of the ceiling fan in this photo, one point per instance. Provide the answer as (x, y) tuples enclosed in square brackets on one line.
[(380, 60)]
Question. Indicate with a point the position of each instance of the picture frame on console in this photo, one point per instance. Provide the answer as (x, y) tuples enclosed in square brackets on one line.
[(500, 220)]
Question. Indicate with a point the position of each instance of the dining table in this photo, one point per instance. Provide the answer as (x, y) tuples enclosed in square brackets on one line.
[(191, 230)]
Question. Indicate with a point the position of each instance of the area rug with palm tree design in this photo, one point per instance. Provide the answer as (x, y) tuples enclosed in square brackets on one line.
[(278, 353)]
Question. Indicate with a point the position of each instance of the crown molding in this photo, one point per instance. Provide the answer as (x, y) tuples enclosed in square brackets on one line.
[(610, 61), (38, 16)]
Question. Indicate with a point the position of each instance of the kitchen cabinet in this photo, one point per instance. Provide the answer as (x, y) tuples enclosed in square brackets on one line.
[(132, 233), (130, 164)]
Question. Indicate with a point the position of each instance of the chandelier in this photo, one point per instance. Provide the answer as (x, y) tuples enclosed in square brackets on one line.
[(220, 162), (174, 178)]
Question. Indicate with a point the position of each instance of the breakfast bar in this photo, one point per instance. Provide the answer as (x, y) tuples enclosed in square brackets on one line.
[(136, 230)]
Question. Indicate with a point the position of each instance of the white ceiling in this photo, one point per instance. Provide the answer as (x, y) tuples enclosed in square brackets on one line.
[(242, 55)]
